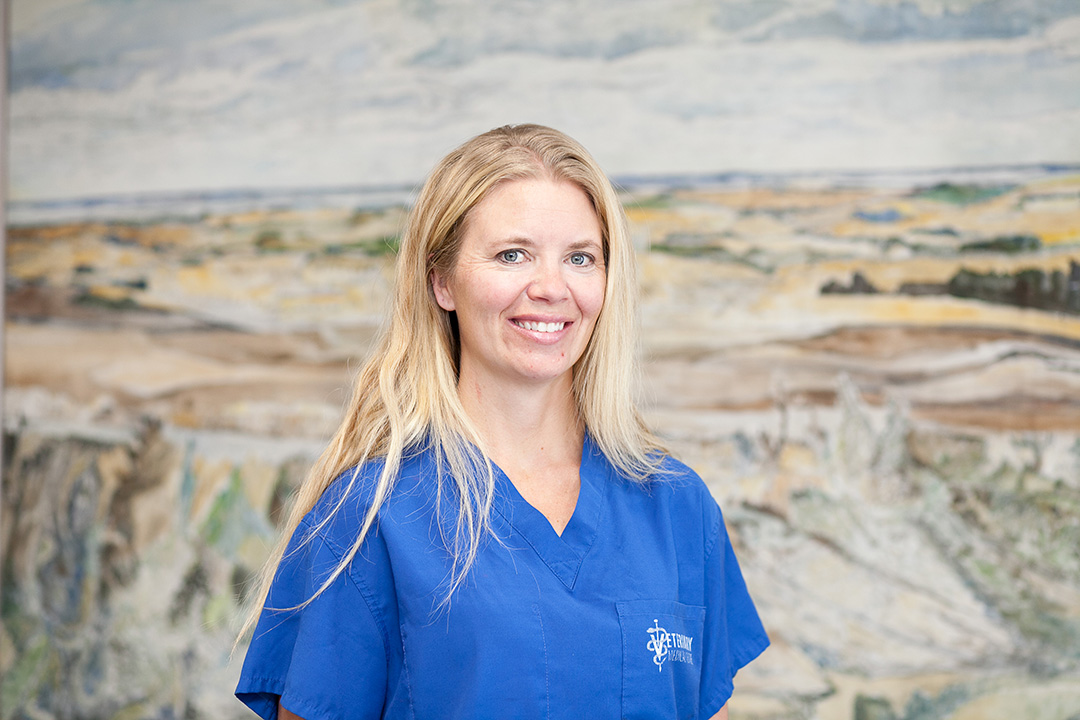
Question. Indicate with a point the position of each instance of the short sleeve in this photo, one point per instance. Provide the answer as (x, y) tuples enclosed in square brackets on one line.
[(734, 634), (325, 660)]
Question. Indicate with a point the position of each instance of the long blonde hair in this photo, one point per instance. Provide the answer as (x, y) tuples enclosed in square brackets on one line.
[(405, 394)]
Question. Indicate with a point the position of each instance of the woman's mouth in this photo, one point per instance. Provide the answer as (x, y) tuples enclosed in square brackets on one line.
[(543, 327)]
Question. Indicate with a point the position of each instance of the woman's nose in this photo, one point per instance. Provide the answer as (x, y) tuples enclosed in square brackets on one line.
[(548, 282)]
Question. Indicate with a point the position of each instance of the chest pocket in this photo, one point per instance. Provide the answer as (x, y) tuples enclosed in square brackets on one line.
[(661, 658)]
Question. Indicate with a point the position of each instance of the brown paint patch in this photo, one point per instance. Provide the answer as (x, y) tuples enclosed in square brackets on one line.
[(890, 341), (1004, 414)]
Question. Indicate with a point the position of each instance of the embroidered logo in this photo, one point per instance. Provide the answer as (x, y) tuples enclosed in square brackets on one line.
[(672, 646)]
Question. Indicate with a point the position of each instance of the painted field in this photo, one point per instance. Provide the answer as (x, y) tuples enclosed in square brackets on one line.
[(880, 384)]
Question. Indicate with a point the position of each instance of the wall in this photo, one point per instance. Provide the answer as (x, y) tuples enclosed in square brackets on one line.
[(858, 227)]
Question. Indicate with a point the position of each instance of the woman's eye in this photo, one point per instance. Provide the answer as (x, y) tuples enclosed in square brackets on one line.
[(511, 256), (580, 259)]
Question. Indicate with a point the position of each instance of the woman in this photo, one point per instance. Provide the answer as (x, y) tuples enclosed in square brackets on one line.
[(493, 532)]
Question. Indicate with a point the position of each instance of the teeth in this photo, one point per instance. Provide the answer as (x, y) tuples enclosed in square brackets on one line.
[(540, 326)]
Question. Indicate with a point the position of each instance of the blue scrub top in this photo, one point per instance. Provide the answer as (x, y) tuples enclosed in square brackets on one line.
[(638, 610)]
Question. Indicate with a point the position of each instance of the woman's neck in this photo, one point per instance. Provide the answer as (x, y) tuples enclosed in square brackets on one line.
[(525, 426), (534, 434)]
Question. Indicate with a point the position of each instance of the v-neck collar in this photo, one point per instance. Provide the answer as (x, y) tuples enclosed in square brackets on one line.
[(563, 554)]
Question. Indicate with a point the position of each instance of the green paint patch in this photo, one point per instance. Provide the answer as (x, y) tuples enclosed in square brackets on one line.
[(133, 712), (987, 570), (1048, 629), (121, 304), (939, 707), (690, 251), (873, 708), (713, 253), (663, 201), (270, 240), (379, 247), (1055, 291), (25, 677), (226, 506), (1008, 244), (232, 519), (218, 611), (955, 194)]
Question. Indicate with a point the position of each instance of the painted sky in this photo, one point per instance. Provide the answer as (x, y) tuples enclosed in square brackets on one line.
[(132, 96)]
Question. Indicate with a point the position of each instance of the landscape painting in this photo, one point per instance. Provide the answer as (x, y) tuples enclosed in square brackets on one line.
[(858, 226)]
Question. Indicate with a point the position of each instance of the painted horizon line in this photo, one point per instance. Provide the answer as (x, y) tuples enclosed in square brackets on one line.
[(186, 205)]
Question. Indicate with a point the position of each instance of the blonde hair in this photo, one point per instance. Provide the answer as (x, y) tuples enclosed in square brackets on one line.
[(405, 395)]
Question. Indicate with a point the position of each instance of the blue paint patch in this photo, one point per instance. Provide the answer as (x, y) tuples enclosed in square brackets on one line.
[(880, 216)]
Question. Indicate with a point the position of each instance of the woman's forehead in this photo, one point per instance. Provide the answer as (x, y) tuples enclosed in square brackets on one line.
[(536, 210)]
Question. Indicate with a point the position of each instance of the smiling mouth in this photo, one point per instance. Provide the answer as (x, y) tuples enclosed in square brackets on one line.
[(543, 327)]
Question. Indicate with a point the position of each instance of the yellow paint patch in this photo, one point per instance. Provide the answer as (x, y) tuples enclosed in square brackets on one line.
[(259, 479), (211, 478), (110, 292), (197, 278), (1069, 235)]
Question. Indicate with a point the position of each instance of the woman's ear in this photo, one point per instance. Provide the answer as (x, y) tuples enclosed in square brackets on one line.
[(441, 288)]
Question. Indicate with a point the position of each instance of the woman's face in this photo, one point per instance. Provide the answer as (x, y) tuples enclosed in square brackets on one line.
[(528, 283)]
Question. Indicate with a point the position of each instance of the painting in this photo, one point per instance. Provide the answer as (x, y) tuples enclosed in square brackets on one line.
[(858, 225)]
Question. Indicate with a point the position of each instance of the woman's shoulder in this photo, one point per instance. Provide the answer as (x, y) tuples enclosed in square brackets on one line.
[(681, 482), (673, 469), (676, 485), (352, 487), (676, 503), (339, 513), (342, 508)]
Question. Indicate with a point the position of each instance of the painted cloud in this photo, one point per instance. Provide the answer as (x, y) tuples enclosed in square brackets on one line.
[(149, 95)]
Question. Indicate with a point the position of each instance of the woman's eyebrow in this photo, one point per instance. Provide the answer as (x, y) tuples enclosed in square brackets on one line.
[(522, 240), (528, 243)]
